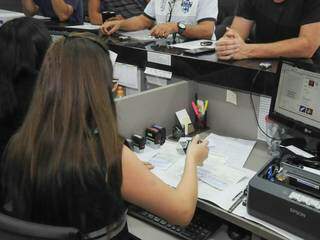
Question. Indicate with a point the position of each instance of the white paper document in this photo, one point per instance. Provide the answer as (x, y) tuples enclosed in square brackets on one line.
[(242, 212), (142, 35), (191, 45), (220, 176), (264, 108), (183, 117), (236, 151), (163, 160), (113, 57), (299, 151), (6, 16), (218, 183), (158, 73), (85, 26), (127, 74), (159, 58)]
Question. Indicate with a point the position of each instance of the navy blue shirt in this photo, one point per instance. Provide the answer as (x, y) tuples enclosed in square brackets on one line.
[(125, 8), (47, 10)]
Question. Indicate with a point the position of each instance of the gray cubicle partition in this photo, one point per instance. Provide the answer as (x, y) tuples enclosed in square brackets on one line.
[(136, 112), (226, 118), (139, 111)]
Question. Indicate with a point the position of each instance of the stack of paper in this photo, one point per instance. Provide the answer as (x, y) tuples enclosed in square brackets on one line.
[(219, 182)]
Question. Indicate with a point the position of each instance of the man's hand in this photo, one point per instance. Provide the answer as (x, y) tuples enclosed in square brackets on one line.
[(232, 46), (118, 17), (163, 30), (110, 27)]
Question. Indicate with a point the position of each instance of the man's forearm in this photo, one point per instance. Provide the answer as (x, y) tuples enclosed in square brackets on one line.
[(96, 18), (136, 23), (199, 31), (29, 8), (94, 12), (291, 48), (62, 9)]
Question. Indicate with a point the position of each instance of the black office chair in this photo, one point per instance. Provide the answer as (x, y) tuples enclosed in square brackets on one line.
[(16, 229)]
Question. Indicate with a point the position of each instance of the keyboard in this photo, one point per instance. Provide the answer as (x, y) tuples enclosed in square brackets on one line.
[(202, 226)]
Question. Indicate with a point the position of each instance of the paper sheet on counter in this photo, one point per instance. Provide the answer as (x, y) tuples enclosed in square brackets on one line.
[(85, 26), (191, 45), (142, 35), (235, 150), (219, 186), (242, 212)]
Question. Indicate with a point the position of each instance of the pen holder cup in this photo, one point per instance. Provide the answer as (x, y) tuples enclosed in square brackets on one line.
[(200, 123)]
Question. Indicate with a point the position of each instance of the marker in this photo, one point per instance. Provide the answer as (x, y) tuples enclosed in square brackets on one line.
[(195, 109), (206, 105)]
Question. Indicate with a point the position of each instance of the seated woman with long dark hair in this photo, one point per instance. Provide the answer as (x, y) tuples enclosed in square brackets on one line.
[(23, 44), (67, 165)]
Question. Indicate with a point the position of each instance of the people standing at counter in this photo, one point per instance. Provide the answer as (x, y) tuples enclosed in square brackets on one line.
[(67, 165), (123, 9), (187, 19), (63, 10), (283, 28)]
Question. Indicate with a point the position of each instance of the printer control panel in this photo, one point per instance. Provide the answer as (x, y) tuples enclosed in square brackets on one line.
[(305, 200)]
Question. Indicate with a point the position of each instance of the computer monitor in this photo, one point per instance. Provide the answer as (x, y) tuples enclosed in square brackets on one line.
[(296, 98)]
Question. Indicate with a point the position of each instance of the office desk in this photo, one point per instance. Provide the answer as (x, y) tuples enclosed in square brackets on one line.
[(208, 77), (257, 159)]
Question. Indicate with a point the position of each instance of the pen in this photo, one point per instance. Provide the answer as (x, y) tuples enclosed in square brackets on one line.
[(235, 197)]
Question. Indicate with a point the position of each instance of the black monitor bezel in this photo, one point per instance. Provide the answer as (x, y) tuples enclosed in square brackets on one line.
[(282, 119)]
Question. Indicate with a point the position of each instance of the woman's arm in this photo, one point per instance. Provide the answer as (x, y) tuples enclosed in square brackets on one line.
[(142, 188)]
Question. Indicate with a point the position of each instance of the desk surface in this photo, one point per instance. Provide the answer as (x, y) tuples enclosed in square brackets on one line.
[(257, 159)]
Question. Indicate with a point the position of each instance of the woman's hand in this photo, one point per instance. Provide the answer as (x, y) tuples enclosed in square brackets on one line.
[(198, 150)]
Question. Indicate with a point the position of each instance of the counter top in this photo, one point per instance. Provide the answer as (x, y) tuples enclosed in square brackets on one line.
[(236, 75), (207, 68)]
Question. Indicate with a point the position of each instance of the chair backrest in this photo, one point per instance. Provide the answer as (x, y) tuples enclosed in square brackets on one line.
[(17, 229)]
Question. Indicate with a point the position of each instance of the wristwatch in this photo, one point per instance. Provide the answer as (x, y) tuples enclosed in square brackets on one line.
[(181, 27)]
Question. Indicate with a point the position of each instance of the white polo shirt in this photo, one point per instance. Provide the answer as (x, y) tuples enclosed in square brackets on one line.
[(189, 12)]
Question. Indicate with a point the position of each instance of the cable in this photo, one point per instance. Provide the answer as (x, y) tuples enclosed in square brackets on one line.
[(254, 108)]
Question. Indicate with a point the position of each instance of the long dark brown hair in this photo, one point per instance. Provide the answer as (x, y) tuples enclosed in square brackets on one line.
[(23, 44), (70, 132)]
